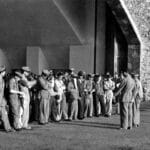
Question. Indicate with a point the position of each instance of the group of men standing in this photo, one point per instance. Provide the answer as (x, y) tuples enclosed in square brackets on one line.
[(15, 99), (66, 96)]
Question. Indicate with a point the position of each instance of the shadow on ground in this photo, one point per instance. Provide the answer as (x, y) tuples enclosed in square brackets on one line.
[(92, 124)]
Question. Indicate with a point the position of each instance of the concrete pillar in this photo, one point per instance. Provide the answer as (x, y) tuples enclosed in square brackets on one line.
[(36, 59), (43, 64), (100, 38), (82, 58), (32, 58), (4, 60)]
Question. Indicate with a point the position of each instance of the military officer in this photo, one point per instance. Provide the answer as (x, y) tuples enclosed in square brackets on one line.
[(14, 99), (73, 96), (43, 97), (25, 86), (3, 111), (80, 84), (138, 96), (99, 96), (126, 89), (89, 89), (52, 100), (109, 86), (60, 88)]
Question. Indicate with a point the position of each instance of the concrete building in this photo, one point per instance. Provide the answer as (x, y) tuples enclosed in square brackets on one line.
[(93, 35)]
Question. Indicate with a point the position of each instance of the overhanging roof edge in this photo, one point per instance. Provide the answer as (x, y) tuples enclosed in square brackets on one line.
[(131, 21)]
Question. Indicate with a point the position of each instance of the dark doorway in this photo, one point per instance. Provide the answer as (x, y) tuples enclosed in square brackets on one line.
[(116, 45)]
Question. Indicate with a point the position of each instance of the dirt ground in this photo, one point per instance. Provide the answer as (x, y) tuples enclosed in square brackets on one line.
[(90, 134)]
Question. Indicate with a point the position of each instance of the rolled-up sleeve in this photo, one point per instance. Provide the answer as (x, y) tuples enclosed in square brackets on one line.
[(12, 85), (43, 83)]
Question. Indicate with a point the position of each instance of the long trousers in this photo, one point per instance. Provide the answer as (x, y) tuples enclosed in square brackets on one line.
[(108, 106), (4, 118), (73, 109), (126, 114), (25, 115), (81, 104), (64, 107), (15, 111), (88, 105), (43, 111), (99, 104), (136, 113)]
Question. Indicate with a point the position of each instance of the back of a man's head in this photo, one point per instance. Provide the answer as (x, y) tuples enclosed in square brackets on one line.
[(125, 74)]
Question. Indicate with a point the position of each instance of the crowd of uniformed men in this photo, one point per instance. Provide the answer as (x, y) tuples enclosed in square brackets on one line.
[(66, 96)]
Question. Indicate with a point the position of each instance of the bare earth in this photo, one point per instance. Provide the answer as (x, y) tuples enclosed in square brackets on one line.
[(89, 134)]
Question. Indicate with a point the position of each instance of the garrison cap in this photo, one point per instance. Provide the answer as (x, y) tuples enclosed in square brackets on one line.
[(26, 68), (18, 74), (2, 68), (80, 73), (45, 72)]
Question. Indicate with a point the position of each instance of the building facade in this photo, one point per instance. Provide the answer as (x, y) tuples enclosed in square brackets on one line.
[(96, 36)]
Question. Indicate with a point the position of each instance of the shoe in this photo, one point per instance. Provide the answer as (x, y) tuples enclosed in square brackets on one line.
[(123, 128), (40, 123), (136, 125), (66, 119), (69, 119), (10, 130), (18, 129), (27, 128), (129, 128), (81, 118), (107, 115)]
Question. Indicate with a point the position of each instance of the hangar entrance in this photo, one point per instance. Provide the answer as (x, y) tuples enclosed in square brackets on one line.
[(116, 59)]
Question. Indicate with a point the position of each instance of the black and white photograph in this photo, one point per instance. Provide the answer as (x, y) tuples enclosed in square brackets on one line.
[(74, 74)]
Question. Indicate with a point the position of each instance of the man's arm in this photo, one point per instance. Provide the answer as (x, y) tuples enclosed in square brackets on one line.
[(43, 83), (121, 87)]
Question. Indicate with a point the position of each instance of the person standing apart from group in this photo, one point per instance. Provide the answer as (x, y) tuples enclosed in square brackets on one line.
[(138, 96), (126, 90)]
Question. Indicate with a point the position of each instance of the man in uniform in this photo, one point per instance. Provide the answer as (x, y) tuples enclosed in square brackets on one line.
[(99, 96), (109, 86), (43, 97), (125, 90), (138, 96), (117, 81), (61, 101), (80, 84), (89, 89), (3, 111), (14, 100), (25, 85), (73, 95)]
